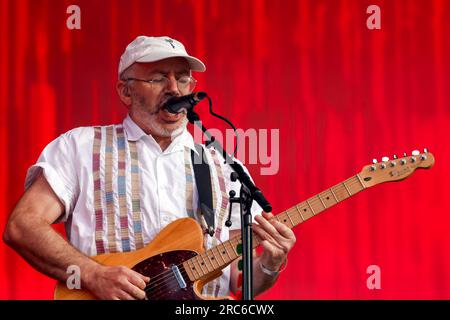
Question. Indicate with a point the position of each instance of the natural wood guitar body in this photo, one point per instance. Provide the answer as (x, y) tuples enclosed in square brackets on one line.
[(179, 241)]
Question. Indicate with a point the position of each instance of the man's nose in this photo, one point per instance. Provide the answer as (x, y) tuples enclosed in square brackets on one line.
[(172, 84)]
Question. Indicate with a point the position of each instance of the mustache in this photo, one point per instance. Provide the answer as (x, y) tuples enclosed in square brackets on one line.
[(160, 105)]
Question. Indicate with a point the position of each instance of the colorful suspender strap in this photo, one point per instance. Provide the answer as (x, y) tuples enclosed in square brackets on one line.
[(98, 210)]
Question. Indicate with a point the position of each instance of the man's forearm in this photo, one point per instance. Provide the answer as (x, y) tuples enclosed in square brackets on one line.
[(261, 280), (45, 249)]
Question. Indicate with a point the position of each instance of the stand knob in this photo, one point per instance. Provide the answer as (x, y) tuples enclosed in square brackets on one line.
[(234, 176)]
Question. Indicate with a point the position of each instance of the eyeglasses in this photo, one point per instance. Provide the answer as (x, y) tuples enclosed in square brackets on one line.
[(184, 83)]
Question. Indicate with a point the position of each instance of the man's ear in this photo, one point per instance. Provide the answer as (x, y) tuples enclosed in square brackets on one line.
[(124, 92)]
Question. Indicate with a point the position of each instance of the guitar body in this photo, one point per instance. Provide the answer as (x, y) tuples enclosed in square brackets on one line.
[(176, 243)]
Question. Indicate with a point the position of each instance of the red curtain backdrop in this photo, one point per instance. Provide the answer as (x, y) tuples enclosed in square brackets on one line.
[(339, 93)]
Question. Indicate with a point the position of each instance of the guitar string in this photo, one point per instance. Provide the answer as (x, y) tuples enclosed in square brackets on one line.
[(160, 291), (168, 273)]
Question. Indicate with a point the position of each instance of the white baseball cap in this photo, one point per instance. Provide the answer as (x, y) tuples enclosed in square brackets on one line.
[(151, 49)]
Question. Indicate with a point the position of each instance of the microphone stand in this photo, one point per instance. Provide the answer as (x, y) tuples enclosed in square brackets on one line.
[(248, 193)]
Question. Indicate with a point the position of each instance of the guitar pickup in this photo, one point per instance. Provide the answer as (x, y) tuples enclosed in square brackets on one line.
[(179, 277)]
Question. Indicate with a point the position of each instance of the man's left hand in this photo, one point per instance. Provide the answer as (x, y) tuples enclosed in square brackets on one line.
[(277, 240)]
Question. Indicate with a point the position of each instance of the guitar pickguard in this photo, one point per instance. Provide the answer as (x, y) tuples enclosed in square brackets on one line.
[(164, 284)]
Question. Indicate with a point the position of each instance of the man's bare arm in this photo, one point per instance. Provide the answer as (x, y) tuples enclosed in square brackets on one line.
[(29, 232)]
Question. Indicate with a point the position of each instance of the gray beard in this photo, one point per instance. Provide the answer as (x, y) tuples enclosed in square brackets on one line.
[(160, 131), (151, 120)]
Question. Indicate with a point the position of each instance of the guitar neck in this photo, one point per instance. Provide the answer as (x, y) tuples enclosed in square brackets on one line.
[(220, 256)]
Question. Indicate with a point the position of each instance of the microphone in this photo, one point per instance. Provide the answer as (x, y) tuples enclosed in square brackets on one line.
[(175, 104)]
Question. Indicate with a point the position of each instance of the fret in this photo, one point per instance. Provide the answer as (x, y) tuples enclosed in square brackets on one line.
[(334, 195), (323, 203), (198, 270), (235, 255), (213, 258), (360, 181), (187, 268), (225, 248), (346, 188), (220, 255), (312, 210), (191, 269), (197, 267), (299, 211), (234, 243), (283, 219), (222, 252), (292, 222), (200, 264), (204, 262)]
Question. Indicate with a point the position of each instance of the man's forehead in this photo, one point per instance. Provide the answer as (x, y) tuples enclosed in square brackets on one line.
[(166, 65)]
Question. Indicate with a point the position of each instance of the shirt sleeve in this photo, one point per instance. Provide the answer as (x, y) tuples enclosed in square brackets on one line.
[(56, 164)]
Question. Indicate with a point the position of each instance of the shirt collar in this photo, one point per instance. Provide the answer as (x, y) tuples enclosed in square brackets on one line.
[(135, 133)]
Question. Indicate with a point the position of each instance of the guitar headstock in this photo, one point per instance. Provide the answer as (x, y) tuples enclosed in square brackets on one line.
[(395, 169)]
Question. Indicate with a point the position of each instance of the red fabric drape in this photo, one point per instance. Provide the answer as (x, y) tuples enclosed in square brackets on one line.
[(339, 93)]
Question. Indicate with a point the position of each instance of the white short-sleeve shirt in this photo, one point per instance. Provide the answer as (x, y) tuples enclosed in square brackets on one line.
[(74, 166)]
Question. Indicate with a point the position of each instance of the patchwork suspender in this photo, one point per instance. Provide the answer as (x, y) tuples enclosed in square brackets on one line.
[(112, 227)]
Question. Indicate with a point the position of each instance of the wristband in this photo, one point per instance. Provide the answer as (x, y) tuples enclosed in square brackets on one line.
[(270, 272)]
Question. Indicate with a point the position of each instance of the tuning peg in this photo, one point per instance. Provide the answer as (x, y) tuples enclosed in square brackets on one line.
[(404, 154), (415, 153), (425, 150), (385, 159), (374, 161), (395, 157)]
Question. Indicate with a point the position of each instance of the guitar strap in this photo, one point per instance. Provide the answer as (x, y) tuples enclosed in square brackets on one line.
[(203, 181)]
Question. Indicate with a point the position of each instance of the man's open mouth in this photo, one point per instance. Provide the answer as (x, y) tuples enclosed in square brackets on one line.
[(170, 117)]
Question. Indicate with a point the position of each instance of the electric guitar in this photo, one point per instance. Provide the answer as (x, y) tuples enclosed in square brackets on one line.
[(178, 265)]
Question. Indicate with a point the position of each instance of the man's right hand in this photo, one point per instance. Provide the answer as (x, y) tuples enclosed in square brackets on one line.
[(115, 282)]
